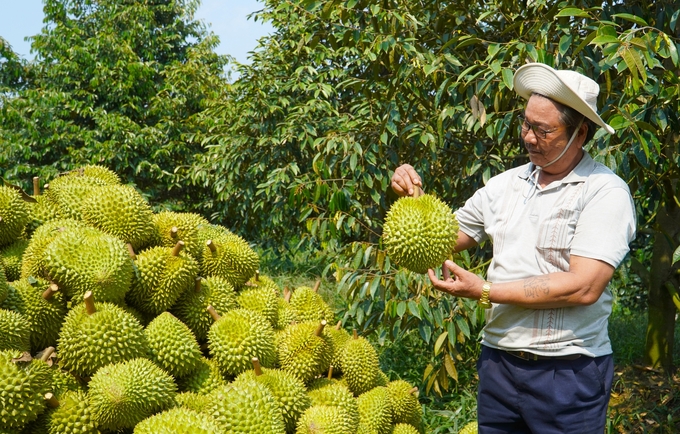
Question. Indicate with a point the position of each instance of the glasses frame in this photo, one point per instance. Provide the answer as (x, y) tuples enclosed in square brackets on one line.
[(538, 131)]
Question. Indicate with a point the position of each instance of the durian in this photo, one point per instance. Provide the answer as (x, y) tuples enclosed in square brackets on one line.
[(172, 346)]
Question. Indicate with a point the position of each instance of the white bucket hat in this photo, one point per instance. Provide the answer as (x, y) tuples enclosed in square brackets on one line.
[(570, 88)]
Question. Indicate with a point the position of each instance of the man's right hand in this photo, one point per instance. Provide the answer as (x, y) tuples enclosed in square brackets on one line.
[(405, 180)]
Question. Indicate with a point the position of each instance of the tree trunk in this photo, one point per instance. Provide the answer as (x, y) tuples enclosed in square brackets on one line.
[(661, 310)]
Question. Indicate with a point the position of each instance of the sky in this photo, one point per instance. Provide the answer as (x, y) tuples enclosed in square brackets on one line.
[(226, 18)]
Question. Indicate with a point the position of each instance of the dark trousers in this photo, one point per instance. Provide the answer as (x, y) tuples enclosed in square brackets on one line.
[(543, 396)]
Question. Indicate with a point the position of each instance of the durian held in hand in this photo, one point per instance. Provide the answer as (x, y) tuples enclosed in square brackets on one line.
[(420, 232)]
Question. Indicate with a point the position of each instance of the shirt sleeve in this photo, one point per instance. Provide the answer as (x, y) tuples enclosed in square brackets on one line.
[(471, 216)]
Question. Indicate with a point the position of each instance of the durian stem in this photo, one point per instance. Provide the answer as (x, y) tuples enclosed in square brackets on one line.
[(36, 186), (330, 372), (338, 326), (319, 329), (256, 366), (46, 186), (211, 245), (51, 400), (197, 284), (287, 294), (178, 248), (131, 251), (355, 335), (257, 275), (47, 352), (413, 391), (50, 291), (173, 232), (417, 192), (89, 303), (213, 313), (317, 285)]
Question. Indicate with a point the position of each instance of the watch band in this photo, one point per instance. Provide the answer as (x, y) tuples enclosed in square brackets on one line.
[(484, 299)]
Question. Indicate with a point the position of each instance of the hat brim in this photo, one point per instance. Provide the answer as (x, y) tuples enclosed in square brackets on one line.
[(542, 79)]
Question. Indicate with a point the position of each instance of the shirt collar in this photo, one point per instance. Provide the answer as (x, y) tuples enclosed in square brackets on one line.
[(579, 174)]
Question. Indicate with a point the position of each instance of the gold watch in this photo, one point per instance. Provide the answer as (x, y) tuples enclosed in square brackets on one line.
[(484, 299)]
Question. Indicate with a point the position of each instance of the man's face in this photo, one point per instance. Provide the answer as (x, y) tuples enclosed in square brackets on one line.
[(545, 136)]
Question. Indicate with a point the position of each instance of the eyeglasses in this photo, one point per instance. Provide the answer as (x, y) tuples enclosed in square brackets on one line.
[(538, 131)]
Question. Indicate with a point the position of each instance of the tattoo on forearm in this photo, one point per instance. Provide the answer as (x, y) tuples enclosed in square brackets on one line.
[(535, 286)]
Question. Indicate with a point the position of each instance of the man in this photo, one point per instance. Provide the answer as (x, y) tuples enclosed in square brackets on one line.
[(559, 225)]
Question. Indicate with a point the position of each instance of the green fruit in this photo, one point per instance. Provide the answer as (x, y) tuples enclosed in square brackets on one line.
[(191, 305), (120, 210), (470, 428), (285, 315), (405, 405), (178, 420), (246, 407), (204, 379), (4, 288), (193, 401), (33, 260), (323, 419), (72, 416), (227, 255), (261, 299), (23, 384), (170, 227), (305, 350), (334, 394), (404, 428), (288, 391), (172, 346), (339, 337), (360, 365), (15, 331), (375, 412), (125, 393), (86, 259), (308, 305), (43, 306), (71, 193), (10, 257), (101, 173), (14, 215), (420, 233), (88, 342), (237, 337), (161, 275), (40, 212)]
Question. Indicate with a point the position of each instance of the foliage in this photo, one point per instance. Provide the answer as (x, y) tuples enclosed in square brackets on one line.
[(116, 83)]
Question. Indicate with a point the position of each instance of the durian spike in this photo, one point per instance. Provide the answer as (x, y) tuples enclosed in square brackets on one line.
[(211, 245), (173, 232), (50, 291), (197, 284), (47, 352), (131, 251), (51, 400), (317, 285), (413, 391), (319, 329), (36, 186), (89, 303), (355, 335), (287, 294), (213, 313), (330, 372), (256, 366), (338, 326), (178, 248)]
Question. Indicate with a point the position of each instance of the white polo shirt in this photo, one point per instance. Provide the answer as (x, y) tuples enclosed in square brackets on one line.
[(535, 231)]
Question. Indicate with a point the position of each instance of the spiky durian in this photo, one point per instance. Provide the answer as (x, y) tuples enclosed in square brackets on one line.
[(102, 173), (261, 299), (336, 394), (10, 257), (193, 401), (120, 210), (288, 391), (323, 419), (41, 211), (71, 192), (191, 306), (404, 428), (125, 393), (178, 420), (204, 379), (87, 259), (43, 306), (305, 350), (308, 305), (226, 254), (33, 260), (162, 274), (96, 334), (25, 381), (172, 346), (170, 227), (72, 415), (375, 413), (246, 407), (238, 336), (14, 215), (469, 428), (360, 365), (420, 232), (15, 331), (405, 406)]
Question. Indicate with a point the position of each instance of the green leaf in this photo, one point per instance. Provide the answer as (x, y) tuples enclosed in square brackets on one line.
[(632, 18), (413, 308), (440, 341), (676, 255), (401, 309), (605, 39), (565, 44), (508, 76), (572, 12)]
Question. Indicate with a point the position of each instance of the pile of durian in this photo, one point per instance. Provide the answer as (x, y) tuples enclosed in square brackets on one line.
[(117, 319)]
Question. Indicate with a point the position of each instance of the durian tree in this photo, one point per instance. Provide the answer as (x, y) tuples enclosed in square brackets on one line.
[(344, 91), (113, 82)]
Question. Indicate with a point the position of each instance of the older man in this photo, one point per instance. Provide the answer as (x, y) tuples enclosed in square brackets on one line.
[(559, 225)]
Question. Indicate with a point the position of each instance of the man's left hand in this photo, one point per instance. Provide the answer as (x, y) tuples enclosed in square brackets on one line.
[(457, 281)]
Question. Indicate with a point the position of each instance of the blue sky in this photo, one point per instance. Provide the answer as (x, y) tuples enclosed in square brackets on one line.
[(227, 18)]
